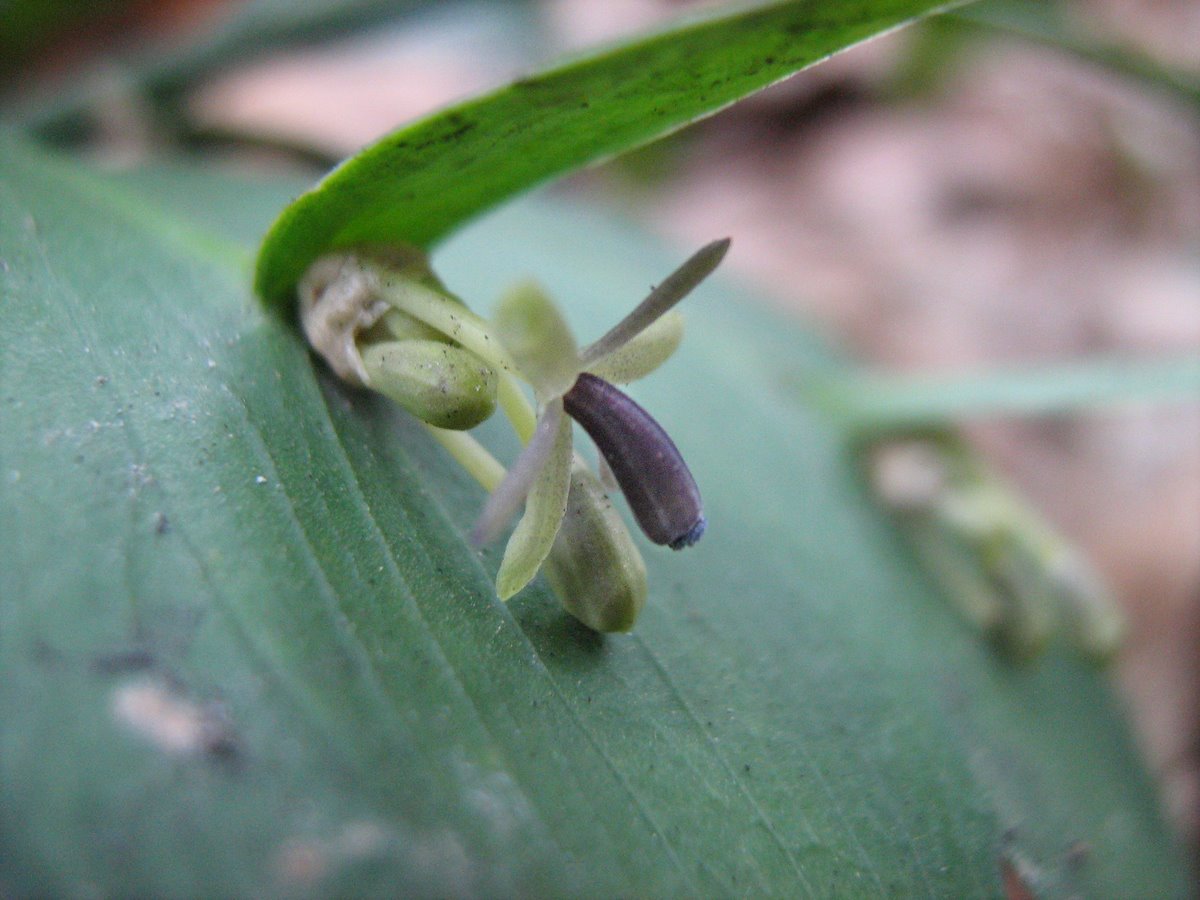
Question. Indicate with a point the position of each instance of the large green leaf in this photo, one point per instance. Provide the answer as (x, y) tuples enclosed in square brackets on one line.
[(422, 181), (245, 648)]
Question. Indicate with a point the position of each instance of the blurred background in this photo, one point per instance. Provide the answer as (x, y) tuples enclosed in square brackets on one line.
[(1019, 185)]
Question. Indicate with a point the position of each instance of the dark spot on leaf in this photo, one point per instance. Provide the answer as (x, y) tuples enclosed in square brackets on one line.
[(45, 653), (458, 132), (137, 659)]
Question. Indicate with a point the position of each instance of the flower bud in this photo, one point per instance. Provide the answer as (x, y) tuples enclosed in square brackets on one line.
[(438, 383), (594, 566)]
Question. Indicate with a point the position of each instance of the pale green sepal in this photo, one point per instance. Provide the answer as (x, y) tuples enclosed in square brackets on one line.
[(955, 565), (509, 496), (643, 353), (438, 383), (400, 326), (1030, 614), (595, 569), (545, 505), (538, 339)]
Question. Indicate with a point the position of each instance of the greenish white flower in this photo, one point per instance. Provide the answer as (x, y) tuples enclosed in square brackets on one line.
[(382, 320), (648, 467)]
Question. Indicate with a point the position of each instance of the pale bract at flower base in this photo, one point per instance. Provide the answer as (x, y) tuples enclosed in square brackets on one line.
[(382, 320)]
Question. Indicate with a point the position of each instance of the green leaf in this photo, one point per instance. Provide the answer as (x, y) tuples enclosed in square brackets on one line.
[(423, 181), (161, 72), (874, 402), (1048, 23), (245, 649)]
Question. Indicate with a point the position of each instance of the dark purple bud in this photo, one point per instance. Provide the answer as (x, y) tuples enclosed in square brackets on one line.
[(652, 475)]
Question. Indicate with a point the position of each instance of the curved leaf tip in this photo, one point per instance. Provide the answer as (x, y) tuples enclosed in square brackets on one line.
[(418, 184)]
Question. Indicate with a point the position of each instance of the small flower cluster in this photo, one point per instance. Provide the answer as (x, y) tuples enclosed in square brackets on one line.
[(382, 320), (1012, 576)]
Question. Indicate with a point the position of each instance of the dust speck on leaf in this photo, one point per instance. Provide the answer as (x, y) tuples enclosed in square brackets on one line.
[(172, 722), (304, 861), (137, 659)]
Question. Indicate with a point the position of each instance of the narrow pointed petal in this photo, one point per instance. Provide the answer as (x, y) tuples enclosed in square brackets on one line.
[(643, 353), (504, 502), (674, 288), (652, 474), (545, 506), (538, 339)]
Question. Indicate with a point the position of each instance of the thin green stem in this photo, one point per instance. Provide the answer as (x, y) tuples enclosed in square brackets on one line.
[(471, 455)]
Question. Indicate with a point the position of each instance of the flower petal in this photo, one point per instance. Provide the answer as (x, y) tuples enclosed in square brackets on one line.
[(504, 501), (641, 354), (545, 507), (538, 339), (674, 288)]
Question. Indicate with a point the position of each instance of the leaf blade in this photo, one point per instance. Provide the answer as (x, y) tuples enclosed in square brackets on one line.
[(421, 182), (817, 719)]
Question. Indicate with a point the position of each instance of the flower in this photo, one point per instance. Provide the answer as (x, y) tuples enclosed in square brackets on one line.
[(572, 384), (382, 320)]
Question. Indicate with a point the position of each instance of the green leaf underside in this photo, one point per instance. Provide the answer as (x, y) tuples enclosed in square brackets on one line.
[(194, 506), (423, 181)]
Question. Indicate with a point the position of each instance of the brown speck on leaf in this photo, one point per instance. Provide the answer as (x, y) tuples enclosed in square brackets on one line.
[(1077, 854), (1016, 880), (302, 862)]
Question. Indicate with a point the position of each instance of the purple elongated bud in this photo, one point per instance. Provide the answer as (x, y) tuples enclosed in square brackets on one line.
[(653, 476)]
